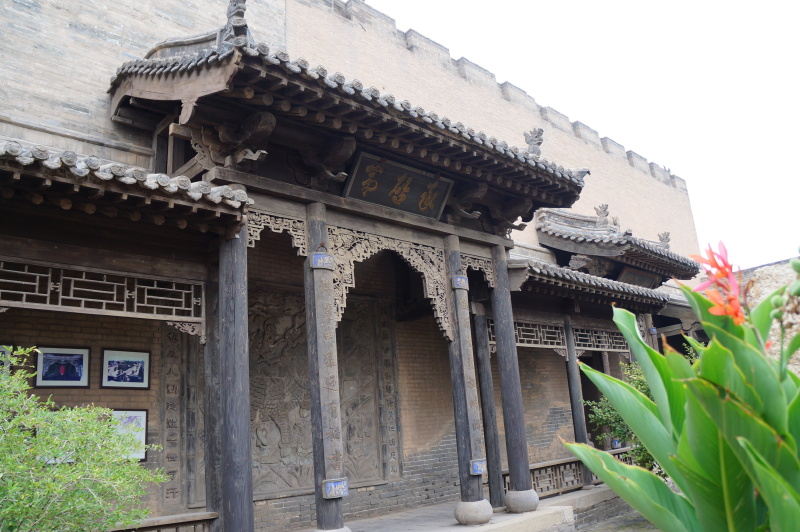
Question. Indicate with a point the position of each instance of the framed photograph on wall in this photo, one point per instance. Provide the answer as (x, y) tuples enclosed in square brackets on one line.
[(62, 367), (4, 352), (125, 369), (134, 422)]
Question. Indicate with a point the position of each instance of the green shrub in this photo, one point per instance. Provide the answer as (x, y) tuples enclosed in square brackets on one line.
[(64, 469)]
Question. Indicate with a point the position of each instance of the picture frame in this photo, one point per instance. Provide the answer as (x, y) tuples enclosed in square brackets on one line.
[(134, 421), (4, 352), (125, 369), (62, 367)]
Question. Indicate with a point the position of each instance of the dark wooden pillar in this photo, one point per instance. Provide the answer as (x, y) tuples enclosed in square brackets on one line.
[(213, 404), (491, 437), (234, 369), (606, 364), (473, 508), (520, 497), (330, 484), (576, 392), (574, 381)]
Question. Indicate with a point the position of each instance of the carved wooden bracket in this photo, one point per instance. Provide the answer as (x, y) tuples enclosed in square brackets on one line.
[(258, 220), (191, 328), (481, 265), (564, 354), (348, 247), (3, 309)]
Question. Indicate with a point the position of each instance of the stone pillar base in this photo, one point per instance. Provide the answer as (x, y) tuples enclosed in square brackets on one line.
[(474, 513), (518, 502), (343, 529)]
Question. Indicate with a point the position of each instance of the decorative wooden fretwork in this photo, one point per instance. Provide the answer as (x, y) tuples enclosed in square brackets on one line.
[(599, 340), (258, 220), (89, 292), (530, 334), (533, 334), (479, 264), (191, 328), (559, 476), (348, 247)]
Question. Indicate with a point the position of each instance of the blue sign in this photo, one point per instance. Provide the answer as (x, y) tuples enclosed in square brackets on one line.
[(477, 467), (323, 261), (335, 488), (460, 281)]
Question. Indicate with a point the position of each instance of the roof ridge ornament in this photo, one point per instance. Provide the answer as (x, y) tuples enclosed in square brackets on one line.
[(235, 31), (534, 139), (664, 238)]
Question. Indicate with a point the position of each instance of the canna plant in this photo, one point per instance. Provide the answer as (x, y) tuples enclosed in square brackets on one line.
[(725, 429)]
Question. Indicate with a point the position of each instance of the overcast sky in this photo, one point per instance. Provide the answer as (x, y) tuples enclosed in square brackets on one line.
[(708, 89)]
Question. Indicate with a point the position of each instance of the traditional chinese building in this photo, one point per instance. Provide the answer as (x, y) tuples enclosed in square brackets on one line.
[(318, 280)]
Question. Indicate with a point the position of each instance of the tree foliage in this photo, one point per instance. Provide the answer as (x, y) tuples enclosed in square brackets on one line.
[(64, 469)]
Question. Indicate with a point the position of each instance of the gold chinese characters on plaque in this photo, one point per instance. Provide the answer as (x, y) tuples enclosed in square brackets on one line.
[(381, 181)]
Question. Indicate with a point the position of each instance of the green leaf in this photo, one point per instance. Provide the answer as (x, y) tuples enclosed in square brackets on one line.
[(721, 494), (640, 488), (735, 420), (719, 366), (668, 394), (759, 372), (642, 416), (782, 499), (760, 316), (792, 347)]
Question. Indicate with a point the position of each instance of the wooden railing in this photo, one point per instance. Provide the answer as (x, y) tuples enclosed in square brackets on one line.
[(194, 522), (559, 476)]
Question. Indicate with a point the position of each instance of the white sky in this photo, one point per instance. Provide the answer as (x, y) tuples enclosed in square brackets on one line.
[(709, 89)]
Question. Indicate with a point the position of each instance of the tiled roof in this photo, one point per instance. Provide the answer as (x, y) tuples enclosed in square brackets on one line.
[(101, 176), (179, 58), (564, 279), (579, 228)]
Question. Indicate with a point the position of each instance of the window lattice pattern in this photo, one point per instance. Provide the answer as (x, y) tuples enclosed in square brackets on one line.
[(34, 286), (599, 340), (533, 334), (540, 335)]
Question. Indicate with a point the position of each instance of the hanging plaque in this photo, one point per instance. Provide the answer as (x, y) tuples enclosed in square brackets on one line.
[(381, 181)]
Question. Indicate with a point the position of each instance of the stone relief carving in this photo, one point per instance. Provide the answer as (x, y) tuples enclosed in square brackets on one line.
[(258, 220), (280, 398), (348, 247), (479, 264)]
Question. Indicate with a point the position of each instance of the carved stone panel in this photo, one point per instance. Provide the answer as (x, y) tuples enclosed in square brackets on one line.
[(280, 398)]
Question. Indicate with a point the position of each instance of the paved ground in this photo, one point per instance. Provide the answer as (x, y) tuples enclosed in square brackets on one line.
[(629, 522)]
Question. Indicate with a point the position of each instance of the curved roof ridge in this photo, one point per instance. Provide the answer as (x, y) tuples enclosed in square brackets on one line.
[(82, 168), (195, 60)]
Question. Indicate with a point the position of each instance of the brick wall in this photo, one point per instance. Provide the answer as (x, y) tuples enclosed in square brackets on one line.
[(545, 399), (56, 329)]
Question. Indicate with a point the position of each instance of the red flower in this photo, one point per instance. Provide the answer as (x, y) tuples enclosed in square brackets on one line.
[(720, 277)]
